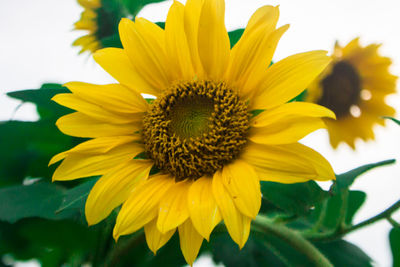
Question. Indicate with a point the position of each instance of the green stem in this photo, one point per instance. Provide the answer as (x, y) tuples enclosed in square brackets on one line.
[(393, 222), (341, 232), (293, 238)]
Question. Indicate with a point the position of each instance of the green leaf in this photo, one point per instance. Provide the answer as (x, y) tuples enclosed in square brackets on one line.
[(393, 119), (75, 198), (53, 243), (234, 36), (344, 180), (297, 198), (339, 210), (37, 200), (43, 200), (42, 99), (355, 200), (394, 238), (29, 146), (259, 250), (134, 6), (343, 253)]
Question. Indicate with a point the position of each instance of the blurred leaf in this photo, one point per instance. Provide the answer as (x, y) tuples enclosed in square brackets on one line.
[(134, 6), (343, 253), (258, 251), (235, 35), (43, 200), (301, 97), (394, 238), (393, 119), (53, 243), (268, 250), (42, 99), (293, 198), (344, 180), (29, 146), (112, 41), (75, 198), (37, 200)]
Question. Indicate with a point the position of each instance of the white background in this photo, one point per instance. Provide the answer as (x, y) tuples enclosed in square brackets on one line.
[(35, 47)]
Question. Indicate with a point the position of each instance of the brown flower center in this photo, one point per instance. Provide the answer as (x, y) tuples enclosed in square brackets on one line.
[(195, 128), (341, 89)]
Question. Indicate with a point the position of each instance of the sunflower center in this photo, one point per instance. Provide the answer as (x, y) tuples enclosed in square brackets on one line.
[(195, 128), (341, 89)]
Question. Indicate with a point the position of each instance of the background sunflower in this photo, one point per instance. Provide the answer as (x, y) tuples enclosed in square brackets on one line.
[(354, 86)]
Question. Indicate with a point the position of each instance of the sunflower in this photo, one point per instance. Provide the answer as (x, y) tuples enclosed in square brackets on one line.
[(220, 124), (354, 86), (100, 21)]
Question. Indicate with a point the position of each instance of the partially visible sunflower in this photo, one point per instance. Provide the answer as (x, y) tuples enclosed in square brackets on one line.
[(354, 86), (101, 23), (220, 123)]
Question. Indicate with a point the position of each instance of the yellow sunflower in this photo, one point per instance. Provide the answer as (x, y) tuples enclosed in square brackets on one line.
[(100, 22), (354, 86), (196, 154)]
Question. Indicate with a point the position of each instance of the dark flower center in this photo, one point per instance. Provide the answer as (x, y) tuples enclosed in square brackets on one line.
[(341, 89), (195, 128)]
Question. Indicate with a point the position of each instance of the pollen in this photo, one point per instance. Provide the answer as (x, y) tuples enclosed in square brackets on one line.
[(195, 128)]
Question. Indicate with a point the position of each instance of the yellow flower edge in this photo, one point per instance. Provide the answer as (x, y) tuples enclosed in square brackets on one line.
[(199, 133), (362, 76), (88, 22)]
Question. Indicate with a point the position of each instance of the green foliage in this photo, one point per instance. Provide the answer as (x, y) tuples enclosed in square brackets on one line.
[(293, 198), (134, 6), (394, 237), (343, 253), (30, 145), (268, 250), (44, 200), (46, 221), (343, 181), (234, 36)]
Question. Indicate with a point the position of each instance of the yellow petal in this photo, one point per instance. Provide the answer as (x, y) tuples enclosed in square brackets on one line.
[(265, 18), (290, 163), (114, 188), (202, 206), (94, 111), (213, 39), (192, 18), (144, 44), (96, 146), (113, 97), (254, 49), (176, 43), (242, 183), (238, 225), (288, 78), (117, 64), (254, 76), (190, 241), (82, 165), (173, 209), (80, 125), (288, 123), (142, 205), (154, 238)]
